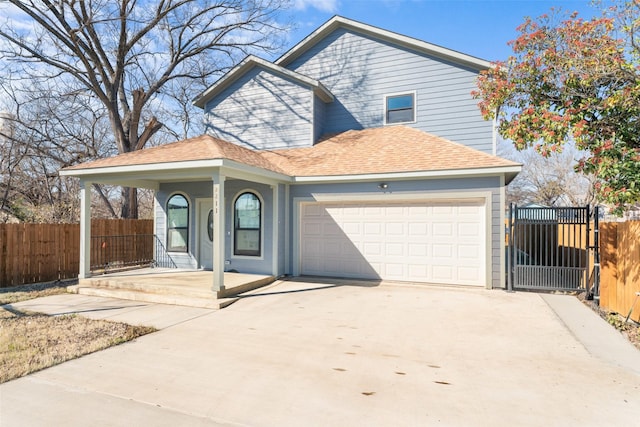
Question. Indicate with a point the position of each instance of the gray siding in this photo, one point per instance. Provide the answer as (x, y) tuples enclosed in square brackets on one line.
[(424, 187), (204, 190), (319, 117), (262, 111), (192, 191), (245, 264), (360, 71)]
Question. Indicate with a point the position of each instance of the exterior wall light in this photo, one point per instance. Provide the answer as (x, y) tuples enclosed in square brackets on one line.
[(383, 185)]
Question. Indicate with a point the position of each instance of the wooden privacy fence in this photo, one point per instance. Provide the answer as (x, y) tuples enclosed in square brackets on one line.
[(32, 253), (620, 267)]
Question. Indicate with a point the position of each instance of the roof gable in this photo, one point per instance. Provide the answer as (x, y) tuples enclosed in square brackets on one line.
[(251, 62), (379, 33)]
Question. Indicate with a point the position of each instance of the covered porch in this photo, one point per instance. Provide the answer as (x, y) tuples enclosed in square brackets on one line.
[(209, 175), (171, 286)]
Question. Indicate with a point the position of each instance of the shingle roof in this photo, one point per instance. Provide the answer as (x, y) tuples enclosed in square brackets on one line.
[(381, 150), (386, 149), (251, 62), (204, 147)]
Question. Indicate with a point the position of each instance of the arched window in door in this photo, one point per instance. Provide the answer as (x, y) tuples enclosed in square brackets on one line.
[(247, 225), (177, 224)]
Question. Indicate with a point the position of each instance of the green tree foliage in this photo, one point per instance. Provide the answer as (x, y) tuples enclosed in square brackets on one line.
[(579, 80)]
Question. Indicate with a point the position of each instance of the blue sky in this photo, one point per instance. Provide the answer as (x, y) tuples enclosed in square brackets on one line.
[(480, 28)]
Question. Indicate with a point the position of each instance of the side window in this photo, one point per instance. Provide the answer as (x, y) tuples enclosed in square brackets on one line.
[(247, 225), (177, 224), (400, 108)]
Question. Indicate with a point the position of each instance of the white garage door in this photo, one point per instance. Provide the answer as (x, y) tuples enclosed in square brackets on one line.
[(425, 241)]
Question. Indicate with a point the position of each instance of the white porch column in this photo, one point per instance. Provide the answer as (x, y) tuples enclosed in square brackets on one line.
[(275, 248), (85, 229), (218, 231)]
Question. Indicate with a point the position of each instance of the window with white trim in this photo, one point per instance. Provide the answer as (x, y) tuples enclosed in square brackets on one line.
[(400, 108), (177, 223), (247, 228)]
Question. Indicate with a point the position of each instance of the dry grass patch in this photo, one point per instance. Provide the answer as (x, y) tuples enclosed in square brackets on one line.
[(30, 342), (27, 292)]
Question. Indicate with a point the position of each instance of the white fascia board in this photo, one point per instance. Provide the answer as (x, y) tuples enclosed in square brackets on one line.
[(238, 170), (156, 172), (144, 169), (248, 63), (452, 173), (124, 182), (390, 36)]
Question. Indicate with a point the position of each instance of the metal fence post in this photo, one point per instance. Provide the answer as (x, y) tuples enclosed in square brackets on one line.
[(509, 250)]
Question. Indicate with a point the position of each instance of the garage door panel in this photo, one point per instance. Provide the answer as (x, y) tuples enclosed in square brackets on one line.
[(314, 211), (331, 229), (417, 270), (372, 229), (467, 274), (351, 228), (394, 249), (418, 229), (372, 249), (394, 229), (469, 230), (443, 252), (393, 210), (312, 228), (423, 241), (313, 248), (351, 211), (418, 249), (442, 229), (469, 252), (468, 209), (443, 273), (442, 210)]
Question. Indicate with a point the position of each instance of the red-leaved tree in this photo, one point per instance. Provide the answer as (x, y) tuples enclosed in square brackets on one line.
[(578, 80)]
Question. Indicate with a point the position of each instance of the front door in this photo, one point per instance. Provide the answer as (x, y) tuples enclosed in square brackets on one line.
[(205, 234)]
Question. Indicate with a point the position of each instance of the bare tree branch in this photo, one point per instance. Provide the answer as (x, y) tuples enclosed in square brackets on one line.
[(124, 53)]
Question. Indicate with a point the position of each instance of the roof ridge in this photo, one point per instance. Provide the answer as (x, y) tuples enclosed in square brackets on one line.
[(338, 21)]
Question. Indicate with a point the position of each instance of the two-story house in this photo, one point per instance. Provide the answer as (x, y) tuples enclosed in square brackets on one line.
[(359, 153)]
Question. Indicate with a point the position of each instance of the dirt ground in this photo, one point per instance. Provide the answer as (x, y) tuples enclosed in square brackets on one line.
[(629, 330)]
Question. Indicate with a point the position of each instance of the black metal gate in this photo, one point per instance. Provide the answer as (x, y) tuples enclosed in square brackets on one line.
[(553, 249)]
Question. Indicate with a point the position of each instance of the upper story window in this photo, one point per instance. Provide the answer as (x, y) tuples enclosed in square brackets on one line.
[(177, 223), (400, 108), (247, 225)]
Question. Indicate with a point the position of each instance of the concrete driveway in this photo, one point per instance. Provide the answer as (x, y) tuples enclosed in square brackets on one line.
[(308, 354)]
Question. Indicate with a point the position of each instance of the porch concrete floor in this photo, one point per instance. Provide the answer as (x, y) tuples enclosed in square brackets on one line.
[(171, 286)]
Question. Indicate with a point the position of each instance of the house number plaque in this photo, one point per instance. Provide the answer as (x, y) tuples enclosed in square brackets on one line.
[(216, 192)]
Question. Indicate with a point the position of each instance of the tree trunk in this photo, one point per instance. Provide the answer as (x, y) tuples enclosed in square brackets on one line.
[(129, 203)]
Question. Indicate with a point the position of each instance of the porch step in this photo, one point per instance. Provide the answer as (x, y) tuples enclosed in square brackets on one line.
[(179, 288), (152, 285), (233, 289), (160, 298)]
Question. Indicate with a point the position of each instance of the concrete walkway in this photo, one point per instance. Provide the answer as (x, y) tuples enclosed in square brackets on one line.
[(159, 316), (597, 336), (340, 354)]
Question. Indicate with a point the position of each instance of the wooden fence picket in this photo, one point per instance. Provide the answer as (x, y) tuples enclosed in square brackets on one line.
[(32, 253)]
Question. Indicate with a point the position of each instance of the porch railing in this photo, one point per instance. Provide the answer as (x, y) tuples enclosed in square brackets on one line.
[(112, 253), (162, 259)]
